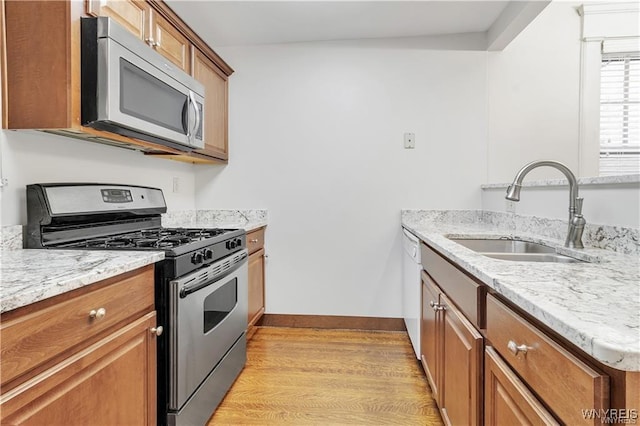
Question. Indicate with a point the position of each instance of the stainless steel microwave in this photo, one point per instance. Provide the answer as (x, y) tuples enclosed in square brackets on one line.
[(129, 89)]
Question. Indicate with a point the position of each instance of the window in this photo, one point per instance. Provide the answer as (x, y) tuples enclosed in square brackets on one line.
[(619, 113)]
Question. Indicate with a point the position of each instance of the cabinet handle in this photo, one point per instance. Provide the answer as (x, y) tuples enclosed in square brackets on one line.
[(151, 42), (437, 306), (254, 240), (157, 330), (97, 314), (516, 349)]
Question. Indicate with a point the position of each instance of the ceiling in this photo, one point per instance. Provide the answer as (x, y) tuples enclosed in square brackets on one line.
[(236, 23)]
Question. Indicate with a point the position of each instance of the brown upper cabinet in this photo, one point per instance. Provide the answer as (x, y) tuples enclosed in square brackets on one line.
[(216, 89), (148, 25), (42, 80)]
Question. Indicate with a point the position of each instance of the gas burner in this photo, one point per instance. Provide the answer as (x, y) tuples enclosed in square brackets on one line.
[(149, 242), (120, 242), (176, 240), (101, 242), (204, 233)]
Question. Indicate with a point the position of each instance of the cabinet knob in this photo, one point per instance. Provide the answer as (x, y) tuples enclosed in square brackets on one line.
[(97, 314), (151, 42), (157, 330), (516, 349), (253, 240)]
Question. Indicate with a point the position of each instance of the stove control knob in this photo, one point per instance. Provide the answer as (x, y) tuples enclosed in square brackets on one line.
[(238, 242), (231, 244), (208, 254), (197, 258)]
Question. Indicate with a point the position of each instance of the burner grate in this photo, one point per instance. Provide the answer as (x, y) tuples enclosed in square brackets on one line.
[(157, 238)]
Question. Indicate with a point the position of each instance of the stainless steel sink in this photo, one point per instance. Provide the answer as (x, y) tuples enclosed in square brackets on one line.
[(514, 250), (503, 246), (533, 257)]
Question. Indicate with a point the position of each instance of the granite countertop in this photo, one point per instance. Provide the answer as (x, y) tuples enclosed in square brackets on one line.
[(28, 276), (249, 220), (596, 305), (248, 226)]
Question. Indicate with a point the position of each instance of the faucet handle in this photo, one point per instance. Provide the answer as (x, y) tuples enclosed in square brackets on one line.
[(579, 202)]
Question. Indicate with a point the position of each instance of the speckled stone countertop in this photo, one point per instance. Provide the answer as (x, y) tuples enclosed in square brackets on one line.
[(28, 276), (596, 305), (249, 220)]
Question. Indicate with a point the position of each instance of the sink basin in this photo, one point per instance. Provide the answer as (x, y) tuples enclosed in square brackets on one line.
[(514, 250), (533, 257), (503, 246)]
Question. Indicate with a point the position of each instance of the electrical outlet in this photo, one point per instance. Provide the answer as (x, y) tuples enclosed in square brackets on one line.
[(176, 184), (409, 140)]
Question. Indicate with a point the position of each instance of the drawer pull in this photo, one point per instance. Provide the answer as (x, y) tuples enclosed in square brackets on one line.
[(253, 240), (157, 330), (437, 306), (516, 349), (97, 314)]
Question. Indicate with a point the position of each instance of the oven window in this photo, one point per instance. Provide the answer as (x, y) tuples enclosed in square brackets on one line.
[(144, 96), (219, 304)]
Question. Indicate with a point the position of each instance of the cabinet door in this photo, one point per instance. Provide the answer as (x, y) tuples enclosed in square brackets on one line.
[(132, 14), (170, 42), (461, 368), (430, 335), (111, 382), (216, 100), (507, 400), (256, 286)]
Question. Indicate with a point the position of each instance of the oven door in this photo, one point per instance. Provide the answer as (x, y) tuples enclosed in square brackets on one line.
[(208, 313)]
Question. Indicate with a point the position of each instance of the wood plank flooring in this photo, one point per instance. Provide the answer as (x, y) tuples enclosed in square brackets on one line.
[(328, 377)]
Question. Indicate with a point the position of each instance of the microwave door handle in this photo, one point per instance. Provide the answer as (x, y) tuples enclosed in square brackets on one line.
[(185, 117), (196, 111)]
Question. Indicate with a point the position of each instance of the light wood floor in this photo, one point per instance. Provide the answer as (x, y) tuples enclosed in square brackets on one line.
[(328, 377)]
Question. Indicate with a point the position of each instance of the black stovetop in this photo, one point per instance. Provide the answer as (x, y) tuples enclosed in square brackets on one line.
[(163, 239)]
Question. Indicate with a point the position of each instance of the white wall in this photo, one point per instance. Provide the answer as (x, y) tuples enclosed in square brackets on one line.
[(34, 157), (534, 94), (316, 135), (617, 204)]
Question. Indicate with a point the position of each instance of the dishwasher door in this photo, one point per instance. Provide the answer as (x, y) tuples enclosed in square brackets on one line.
[(411, 287)]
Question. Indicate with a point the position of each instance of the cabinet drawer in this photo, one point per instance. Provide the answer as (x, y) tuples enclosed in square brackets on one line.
[(111, 382), (507, 400), (467, 294), (30, 340), (562, 381), (255, 240)]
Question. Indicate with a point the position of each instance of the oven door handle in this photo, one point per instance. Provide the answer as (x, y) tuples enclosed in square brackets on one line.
[(212, 275)]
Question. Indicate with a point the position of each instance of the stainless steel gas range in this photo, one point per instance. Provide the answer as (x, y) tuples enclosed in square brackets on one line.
[(200, 287)]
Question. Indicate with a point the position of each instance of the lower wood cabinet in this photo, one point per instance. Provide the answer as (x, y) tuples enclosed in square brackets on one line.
[(508, 401), (461, 390), (527, 374), (256, 286), (111, 382), (566, 384), (430, 344), (106, 377), (452, 357), (255, 245)]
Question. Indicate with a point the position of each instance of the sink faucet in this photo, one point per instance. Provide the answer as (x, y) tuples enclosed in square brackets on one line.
[(576, 221)]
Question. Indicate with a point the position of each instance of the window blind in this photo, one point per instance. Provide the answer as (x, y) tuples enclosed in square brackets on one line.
[(620, 108)]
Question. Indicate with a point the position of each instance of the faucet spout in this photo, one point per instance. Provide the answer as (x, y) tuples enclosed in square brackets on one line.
[(513, 192), (574, 236)]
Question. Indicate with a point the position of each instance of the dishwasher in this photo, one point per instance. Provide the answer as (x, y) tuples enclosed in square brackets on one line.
[(411, 287)]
